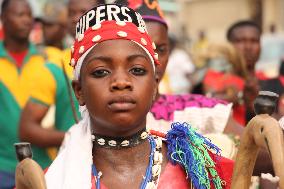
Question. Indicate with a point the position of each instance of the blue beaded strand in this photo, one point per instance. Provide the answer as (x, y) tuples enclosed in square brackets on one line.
[(148, 176)]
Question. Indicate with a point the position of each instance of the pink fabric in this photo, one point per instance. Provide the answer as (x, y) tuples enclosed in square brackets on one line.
[(166, 105)]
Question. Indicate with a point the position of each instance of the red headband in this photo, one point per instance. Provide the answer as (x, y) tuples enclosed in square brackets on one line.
[(111, 30)]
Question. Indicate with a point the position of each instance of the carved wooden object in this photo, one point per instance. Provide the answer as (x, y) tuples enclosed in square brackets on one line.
[(29, 174), (262, 131)]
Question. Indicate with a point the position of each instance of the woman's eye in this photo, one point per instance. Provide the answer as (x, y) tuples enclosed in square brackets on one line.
[(161, 49), (100, 73), (138, 71)]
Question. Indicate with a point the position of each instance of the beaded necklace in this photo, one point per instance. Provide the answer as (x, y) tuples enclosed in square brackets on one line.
[(119, 142), (153, 171)]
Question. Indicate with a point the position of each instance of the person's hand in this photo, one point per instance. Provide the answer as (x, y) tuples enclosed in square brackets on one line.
[(268, 182), (251, 90)]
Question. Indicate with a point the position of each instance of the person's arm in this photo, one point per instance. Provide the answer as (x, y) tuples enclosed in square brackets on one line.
[(250, 92), (233, 127), (31, 130)]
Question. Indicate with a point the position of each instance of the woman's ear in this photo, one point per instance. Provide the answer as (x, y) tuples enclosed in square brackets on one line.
[(157, 80), (77, 88)]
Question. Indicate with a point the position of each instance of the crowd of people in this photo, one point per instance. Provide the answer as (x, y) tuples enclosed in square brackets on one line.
[(116, 84)]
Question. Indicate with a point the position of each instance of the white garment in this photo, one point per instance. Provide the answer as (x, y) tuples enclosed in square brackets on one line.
[(205, 120), (179, 66), (281, 122), (73, 166)]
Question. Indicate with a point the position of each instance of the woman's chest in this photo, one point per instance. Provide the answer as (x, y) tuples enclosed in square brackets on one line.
[(171, 177)]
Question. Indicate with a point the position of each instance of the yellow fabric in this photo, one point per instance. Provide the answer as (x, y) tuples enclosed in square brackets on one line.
[(44, 88), (164, 85), (45, 84), (20, 82), (66, 58), (201, 45), (52, 153), (54, 55), (57, 56)]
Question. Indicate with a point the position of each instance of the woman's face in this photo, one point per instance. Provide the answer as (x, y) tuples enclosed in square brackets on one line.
[(159, 35), (117, 85)]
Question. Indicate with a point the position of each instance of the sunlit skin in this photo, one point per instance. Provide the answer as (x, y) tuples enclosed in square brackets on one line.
[(118, 88), (247, 40), (123, 80), (17, 23), (76, 9)]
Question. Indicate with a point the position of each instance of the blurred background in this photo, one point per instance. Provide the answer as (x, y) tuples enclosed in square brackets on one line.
[(200, 57), (191, 20)]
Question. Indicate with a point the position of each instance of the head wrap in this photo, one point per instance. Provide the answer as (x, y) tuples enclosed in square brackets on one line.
[(109, 22), (105, 22), (149, 9)]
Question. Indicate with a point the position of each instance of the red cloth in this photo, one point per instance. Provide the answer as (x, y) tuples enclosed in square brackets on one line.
[(1, 34), (218, 81), (224, 168), (110, 30), (261, 75), (174, 176), (239, 114), (18, 57), (281, 78)]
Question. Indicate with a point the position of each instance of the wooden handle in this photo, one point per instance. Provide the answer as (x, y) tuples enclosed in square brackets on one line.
[(29, 174), (262, 131)]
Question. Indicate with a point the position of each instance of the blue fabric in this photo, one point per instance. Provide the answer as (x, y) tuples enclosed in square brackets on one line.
[(7, 180)]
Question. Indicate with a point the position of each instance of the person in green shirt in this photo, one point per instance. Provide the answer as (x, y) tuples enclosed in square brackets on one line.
[(52, 87), (18, 60)]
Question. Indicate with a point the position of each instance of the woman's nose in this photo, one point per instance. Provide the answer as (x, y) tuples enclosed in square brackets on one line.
[(121, 82)]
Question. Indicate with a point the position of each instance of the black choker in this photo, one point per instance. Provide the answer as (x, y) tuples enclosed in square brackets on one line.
[(119, 142)]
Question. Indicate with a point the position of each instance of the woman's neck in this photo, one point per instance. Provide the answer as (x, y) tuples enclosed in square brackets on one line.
[(121, 157), (124, 168), (108, 131)]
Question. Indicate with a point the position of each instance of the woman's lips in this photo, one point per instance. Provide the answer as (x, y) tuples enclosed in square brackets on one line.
[(122, 104)]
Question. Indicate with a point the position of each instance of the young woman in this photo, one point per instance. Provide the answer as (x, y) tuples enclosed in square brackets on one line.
[(115, 84)]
